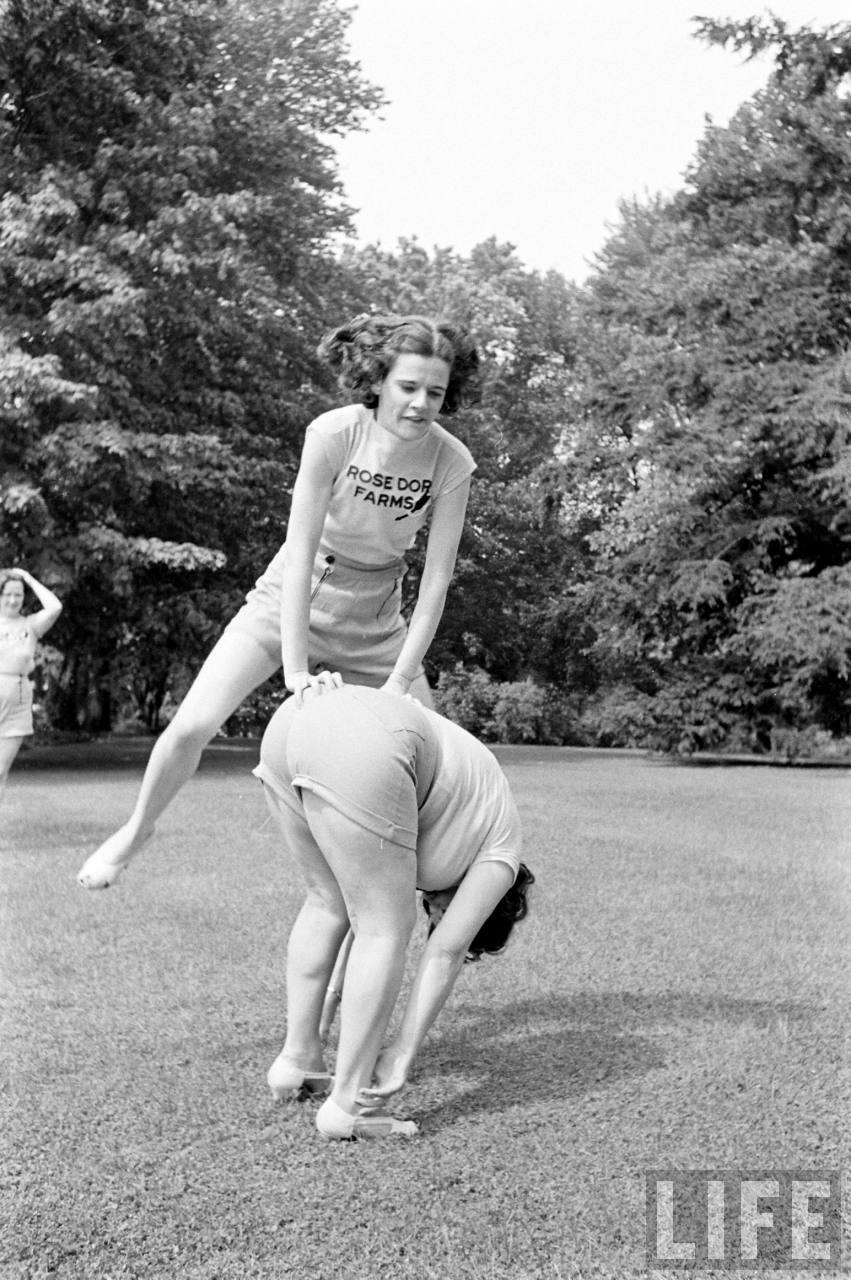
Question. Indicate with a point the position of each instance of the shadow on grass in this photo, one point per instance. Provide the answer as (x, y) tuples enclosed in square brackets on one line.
[(558, 1048)]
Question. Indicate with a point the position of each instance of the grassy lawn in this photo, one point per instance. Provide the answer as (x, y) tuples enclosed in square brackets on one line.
[(676, 999)]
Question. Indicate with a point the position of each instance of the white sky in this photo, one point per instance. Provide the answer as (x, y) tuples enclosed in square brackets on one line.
[(530, 119)]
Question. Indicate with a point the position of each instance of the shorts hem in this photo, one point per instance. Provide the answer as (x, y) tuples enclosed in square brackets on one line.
[(372, 822)]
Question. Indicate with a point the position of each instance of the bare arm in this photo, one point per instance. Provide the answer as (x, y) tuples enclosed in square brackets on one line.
[(51, 605), (480, 891), (447, 524), (311, 494)]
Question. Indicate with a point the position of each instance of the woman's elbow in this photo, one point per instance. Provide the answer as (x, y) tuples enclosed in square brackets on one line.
[(448, 955)]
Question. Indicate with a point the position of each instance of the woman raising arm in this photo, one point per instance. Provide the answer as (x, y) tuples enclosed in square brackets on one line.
[(19, 634)]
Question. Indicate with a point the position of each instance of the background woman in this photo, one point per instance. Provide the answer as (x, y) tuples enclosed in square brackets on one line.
[(19, 634), (375, 797), (328, 606)]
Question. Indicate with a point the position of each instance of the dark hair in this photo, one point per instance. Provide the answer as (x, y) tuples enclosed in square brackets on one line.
[(494, 934), (363, 352), (9, 575)]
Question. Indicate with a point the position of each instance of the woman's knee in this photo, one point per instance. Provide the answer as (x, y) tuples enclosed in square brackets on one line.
[(191, 728), (327, 902), (392, 922), (318, 927), (236, 666)]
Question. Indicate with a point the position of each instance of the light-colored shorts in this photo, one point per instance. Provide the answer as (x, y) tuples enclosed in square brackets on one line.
[(16, 707), (372, 756), (356, 625)]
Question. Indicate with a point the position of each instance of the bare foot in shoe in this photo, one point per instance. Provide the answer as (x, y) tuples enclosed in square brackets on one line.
[(335, 1123), (286, 1080), (105, 865)]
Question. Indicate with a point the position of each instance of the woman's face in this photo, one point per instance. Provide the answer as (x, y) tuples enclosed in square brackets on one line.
[(411, 395), (12, 598)]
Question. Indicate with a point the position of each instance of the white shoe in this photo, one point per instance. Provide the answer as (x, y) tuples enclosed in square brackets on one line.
[(333, 1122), (105, 865), (289, 1081)]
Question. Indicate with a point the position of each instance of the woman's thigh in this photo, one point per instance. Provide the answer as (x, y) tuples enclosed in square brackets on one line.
[(16, 699), (377, 878), (319, 880), (236, 665)]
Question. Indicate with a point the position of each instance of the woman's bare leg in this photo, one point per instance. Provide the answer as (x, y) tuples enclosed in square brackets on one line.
[(312, 950), (314, 940), (236, 666), (9, 748), (377, 880)]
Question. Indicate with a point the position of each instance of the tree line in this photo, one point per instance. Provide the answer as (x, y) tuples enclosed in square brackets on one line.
[(657, 545)]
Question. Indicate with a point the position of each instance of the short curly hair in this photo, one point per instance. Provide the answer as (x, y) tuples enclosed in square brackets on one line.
[(492, 937), (363, 352)]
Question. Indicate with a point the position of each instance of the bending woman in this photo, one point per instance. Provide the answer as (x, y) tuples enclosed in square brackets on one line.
[(377, 796), (371, 475), (19, 635)]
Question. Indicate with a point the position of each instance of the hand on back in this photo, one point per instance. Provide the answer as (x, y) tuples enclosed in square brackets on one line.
[(302, 683)]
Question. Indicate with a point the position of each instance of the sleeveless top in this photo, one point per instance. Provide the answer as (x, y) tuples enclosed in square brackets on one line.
[(17, 647), (383, 487)]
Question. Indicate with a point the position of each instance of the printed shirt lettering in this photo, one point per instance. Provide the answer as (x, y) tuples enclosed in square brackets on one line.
[(384, 488)]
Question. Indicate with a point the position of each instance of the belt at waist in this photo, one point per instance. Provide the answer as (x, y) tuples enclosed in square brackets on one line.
[(399, 565)]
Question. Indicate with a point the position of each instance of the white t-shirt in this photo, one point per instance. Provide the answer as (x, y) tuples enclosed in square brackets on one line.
[(383, 487), (469, 815)]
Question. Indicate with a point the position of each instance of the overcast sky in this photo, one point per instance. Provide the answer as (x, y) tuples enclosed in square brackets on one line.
[(529, 120)]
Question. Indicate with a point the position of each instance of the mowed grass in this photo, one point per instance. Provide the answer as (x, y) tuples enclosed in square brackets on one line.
[(677, 998)]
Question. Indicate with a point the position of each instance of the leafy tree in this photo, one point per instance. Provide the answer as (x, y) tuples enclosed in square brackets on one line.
[(714, 414), (524, 324), (660, 520), (168, 200)]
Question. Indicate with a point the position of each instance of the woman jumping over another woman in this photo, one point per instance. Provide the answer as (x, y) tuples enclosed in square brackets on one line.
[(328, 605)]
